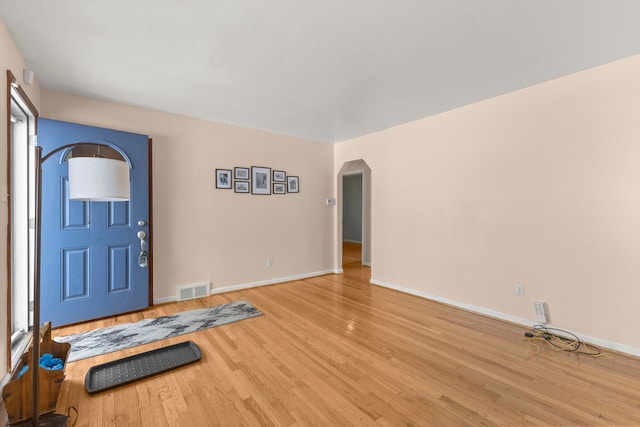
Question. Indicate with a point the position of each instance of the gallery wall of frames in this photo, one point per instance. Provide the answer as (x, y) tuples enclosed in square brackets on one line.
[(257, 180)]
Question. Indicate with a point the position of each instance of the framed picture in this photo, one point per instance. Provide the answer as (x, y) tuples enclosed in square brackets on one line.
[(223, 178), (293, 185), (241, 186), (241, 173), (279, 188), (260, 180), (279, 176)]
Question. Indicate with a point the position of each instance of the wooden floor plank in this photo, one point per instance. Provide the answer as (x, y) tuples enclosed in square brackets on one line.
[(335, 350)]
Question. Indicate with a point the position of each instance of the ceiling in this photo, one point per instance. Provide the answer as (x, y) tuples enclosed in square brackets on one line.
[(326, 70)]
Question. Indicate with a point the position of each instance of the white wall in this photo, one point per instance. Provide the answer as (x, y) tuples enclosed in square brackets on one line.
[(206, 234), (538, 187)]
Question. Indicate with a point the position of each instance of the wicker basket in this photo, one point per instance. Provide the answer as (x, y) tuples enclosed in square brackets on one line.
[(17, 394)]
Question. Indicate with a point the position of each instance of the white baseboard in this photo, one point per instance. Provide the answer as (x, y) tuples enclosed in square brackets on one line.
[(252, 285), (269, 282), (623, 348), (366, 263)]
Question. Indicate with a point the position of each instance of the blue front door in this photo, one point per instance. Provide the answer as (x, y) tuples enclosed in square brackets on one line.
[(90, 250)]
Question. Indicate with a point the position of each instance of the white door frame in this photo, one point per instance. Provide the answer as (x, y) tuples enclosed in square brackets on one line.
[(350, 168)]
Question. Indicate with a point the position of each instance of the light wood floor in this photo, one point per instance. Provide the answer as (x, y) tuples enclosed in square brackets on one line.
[(337, 351)]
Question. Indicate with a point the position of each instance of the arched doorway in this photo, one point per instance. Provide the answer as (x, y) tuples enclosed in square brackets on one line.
[(351, 169)]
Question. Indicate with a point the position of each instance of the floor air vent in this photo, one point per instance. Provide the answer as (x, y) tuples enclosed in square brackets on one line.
[(198, 290)]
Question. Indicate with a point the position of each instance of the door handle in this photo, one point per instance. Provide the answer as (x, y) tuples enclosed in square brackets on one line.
[(143, 258)]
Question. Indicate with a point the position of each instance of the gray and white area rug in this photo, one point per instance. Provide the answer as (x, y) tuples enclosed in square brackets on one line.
[(119, 337)]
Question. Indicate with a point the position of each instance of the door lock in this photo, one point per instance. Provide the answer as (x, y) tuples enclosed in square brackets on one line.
[(143, 258)]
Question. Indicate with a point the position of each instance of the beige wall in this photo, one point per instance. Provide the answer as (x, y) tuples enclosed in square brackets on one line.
[(206, 234), (535, 187), (538, 187)]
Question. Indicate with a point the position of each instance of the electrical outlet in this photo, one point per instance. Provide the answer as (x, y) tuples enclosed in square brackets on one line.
[(269, 262), (519, 289)]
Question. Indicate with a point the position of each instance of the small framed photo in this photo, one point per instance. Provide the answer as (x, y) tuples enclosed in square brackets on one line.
[(241, 186), (279, 176), (279, 188), (241, 173), (293, 184), (223, 178), (260, 180)]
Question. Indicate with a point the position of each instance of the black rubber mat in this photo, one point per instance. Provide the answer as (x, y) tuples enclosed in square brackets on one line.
[(143, 365)]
